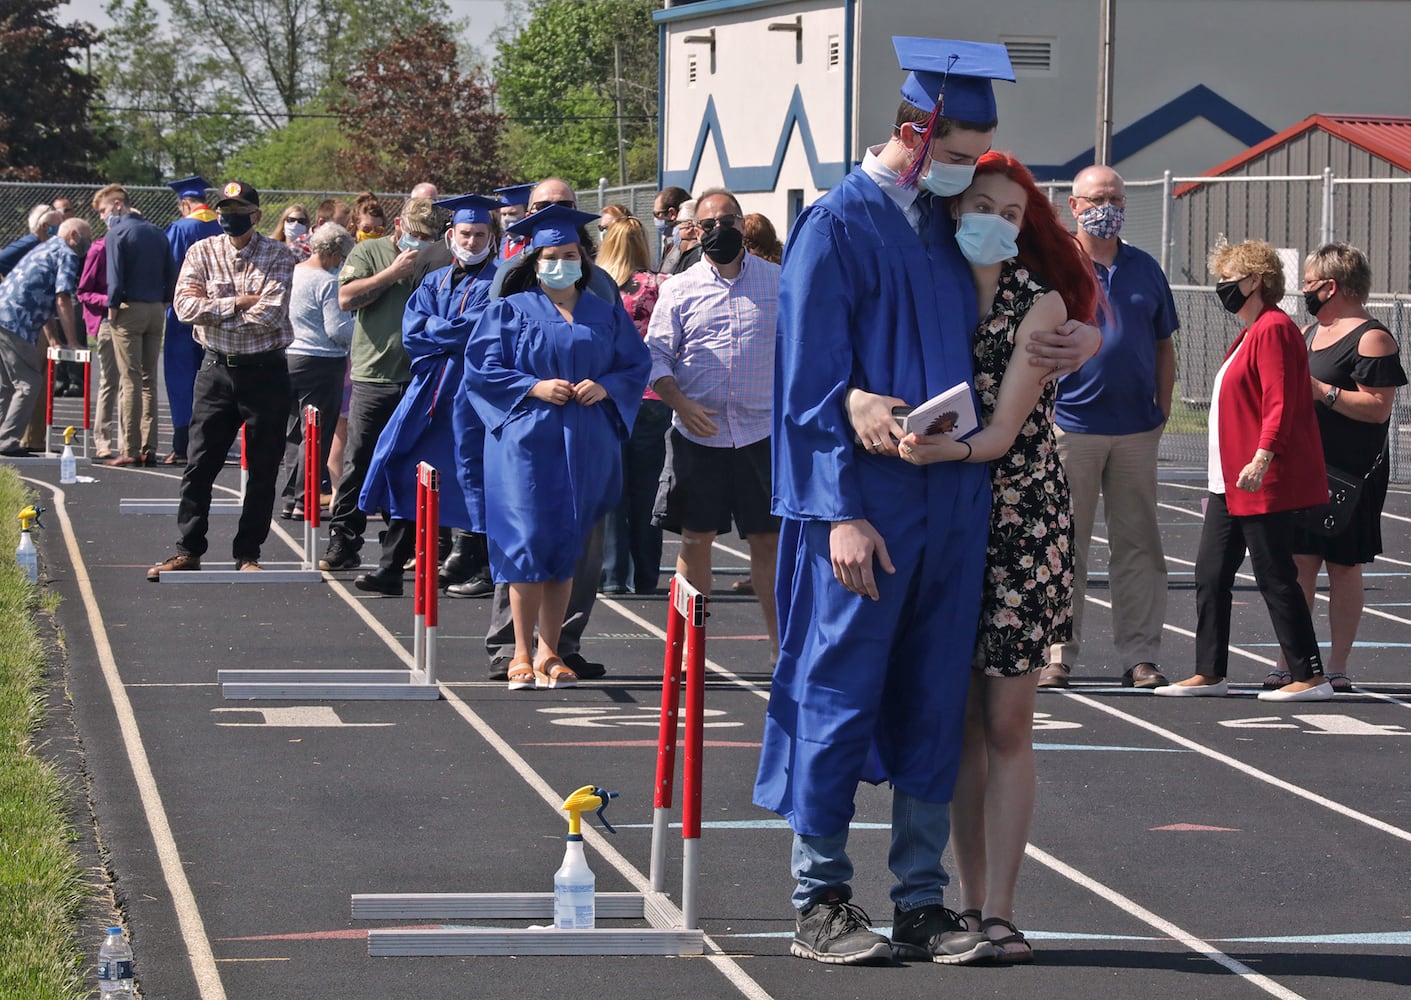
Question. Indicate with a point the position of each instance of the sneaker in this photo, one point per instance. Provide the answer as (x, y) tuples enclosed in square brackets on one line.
[(337, 557), (585, 670), (837, 931), (933, 933), (179, 563), (249, 566)]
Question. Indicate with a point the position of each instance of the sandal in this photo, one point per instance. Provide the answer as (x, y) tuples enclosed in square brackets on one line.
[(1339, 681), (554, 673), (1276, 679), (1009, 946), (520, 674), (743, 587), (968, 915)]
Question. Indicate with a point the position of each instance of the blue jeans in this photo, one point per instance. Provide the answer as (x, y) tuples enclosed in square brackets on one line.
[(632, 545), (920, 831)]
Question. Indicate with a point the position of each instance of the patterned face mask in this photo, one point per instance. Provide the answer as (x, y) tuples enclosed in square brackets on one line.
[(1103, 221)]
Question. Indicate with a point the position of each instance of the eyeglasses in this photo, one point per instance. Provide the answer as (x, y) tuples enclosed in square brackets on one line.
[(663, 214), (728, 221), (296, 218), (1120, 201), (539, 206)]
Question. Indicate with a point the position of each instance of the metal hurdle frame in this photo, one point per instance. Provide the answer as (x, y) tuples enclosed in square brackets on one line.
[(167, 506), (671, 931), (313, 478), (85, 358), (417, 684)]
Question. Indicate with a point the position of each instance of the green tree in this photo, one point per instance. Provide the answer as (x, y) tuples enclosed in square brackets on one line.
[(558, 82), (47, 127), (305, 155)]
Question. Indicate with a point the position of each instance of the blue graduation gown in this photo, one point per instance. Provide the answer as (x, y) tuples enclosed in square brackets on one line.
[(869, 690), (556, 470), (435, 327), (181, 355)]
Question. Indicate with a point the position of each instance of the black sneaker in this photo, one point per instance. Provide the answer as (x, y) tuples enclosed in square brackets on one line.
[(836, 931), (586, 671), (337, 557), (934, 934)]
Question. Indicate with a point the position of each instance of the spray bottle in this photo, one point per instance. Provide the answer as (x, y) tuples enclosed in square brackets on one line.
[(68, 465), (25, 554), (574, 884)]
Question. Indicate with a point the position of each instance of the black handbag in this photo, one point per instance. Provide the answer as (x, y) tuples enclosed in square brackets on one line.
[(1344, 492)]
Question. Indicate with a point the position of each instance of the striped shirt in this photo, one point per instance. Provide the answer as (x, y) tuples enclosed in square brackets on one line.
[(214, 274), (715, 336)]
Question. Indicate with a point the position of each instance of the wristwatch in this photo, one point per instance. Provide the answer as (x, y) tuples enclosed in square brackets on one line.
[(1331, 396)]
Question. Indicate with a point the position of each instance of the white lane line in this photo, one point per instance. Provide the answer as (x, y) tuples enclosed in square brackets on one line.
[(1247, 769), (1236, 650), (760, 691), (188, 914), (1195, 944)]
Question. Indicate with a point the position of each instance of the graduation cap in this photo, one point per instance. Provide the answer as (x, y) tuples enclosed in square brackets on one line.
[(191, 187), (553, 226), (952, 78), (469, 208), (515, 194)]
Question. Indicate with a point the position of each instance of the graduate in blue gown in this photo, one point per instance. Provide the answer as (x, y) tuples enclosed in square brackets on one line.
[(514, 205), (181, 355), (556, 376), (435, 328)]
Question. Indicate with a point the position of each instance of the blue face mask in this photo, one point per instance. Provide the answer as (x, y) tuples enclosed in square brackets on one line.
[(559, 274), (409, 242), (53, 230), (947, 179), (662, 226), (987, 239)]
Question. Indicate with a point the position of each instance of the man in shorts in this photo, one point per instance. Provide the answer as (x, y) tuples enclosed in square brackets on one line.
[(712, 343)]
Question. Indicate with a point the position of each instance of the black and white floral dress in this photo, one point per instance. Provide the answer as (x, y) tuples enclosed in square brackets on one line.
[(1028, 600)]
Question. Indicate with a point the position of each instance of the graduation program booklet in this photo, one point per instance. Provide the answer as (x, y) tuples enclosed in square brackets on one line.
[(951, 412)]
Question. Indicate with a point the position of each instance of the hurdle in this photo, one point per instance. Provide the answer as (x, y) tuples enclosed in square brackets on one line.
[(417, 684), (167, 506), (85, 358), (312, 479), (670, 931)]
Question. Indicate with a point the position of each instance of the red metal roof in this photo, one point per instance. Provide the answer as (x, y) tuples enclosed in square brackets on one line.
[(1384, 136)]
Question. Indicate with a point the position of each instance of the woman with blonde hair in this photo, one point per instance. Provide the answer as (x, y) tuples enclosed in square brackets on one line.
[(290, 227)]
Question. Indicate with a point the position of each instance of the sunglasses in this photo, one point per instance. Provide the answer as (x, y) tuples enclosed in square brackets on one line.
[(541, 205), (664, 213), (295, 218), (721, 220)]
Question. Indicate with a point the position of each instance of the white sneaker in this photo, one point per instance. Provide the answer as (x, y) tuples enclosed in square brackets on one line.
[(1217, 690), (1319, 692)]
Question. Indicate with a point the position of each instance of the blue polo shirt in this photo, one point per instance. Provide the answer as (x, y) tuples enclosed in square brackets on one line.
[(1115, 392), (140, 264)]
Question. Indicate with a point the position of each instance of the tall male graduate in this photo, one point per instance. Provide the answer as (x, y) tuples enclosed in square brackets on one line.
[(874, 666), (181, 354)]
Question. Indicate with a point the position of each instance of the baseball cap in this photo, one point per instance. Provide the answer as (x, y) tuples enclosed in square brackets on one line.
[(237, 194)]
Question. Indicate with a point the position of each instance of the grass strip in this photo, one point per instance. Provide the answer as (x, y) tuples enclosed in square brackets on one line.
[(41, 884)]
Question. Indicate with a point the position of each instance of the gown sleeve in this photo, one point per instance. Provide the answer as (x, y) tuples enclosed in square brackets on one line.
[(496, 387)]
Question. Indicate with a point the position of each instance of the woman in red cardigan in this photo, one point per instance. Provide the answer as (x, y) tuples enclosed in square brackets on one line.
[(1265, 463)]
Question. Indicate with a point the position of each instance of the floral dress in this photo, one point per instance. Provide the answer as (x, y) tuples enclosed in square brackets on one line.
[(1027, 604)]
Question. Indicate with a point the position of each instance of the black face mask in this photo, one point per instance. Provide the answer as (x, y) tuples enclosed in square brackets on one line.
[(236, 225), (722, 244), (1312, 303), (1230, 295)]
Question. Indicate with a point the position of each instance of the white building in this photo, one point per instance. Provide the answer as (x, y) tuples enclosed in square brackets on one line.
[(777, 99)]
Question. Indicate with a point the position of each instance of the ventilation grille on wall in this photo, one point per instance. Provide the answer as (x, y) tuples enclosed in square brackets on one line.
[(1031, 56), (691, 70), (835, 52)]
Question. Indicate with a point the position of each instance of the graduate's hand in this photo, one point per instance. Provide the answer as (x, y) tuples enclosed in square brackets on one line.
[(553, 390), (923, 449), (852, 545), (697, 418), (871, 417), (589, 392), (1063, 351)]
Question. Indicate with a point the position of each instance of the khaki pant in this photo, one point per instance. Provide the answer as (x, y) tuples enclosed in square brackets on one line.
[(34, 436), (21, 388), (109, 383), (1122, 469), (137, 345)]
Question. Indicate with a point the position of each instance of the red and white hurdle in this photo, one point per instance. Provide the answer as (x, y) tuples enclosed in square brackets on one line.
[(670, 931), (85, 358)]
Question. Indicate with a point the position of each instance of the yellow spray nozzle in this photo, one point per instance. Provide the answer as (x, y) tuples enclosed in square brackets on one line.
[(69, 432), (29, 515), (586, 799)]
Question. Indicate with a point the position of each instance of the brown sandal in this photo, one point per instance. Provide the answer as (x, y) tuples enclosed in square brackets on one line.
[(1013, 948), (521, 674), (554, 673)]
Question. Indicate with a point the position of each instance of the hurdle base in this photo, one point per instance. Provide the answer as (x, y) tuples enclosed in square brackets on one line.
[(273, 572), (666, 934), (158, 505), (325, 685)]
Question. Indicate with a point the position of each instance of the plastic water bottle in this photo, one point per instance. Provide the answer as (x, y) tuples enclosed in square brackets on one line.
[(68, 465), (27, 557), (574, 888), (115, 965)]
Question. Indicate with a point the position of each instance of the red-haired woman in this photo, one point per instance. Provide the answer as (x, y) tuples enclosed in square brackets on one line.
[(1009, 232)]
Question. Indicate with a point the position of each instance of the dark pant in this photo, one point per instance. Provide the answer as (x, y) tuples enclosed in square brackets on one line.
[(371, 406), (1269, 541), (399, 545), (258, 397), (317, 382), (499, 637), (632, 544)]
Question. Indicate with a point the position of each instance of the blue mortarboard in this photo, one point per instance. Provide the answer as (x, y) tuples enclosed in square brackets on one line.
[(955, 75), (191, 187), (515, 194), (553, 226), (469, 208)]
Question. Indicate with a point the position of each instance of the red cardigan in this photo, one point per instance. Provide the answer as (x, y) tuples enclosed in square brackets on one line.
[(1266, 402)]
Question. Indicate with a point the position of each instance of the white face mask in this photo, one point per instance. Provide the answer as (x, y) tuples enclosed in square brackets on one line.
[(465, 255), (293, 230), (947, 179), (987, 239)]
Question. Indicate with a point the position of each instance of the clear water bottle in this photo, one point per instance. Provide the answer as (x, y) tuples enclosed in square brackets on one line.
[(68, 466), (27, 558), (574, 887), (115, 965)]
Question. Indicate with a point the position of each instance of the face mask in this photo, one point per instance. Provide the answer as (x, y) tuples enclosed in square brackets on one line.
[(662, 225), (723, 244), (409, 242), (987, 239), (53, 230), (1230, 295), (293, 230), (1103, 221), (946, 179), (112, 220), (559, 274), (236, 225), (1312, 303), (368, 234), (464, 255)]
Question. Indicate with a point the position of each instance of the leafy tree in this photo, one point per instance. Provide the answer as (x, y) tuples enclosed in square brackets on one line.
[(305, 155), (412, 115), (557, 79), (46, 125)]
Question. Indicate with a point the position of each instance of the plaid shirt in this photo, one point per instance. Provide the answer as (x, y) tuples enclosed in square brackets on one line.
[(28, 296), (215, 273), (715, 336)]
